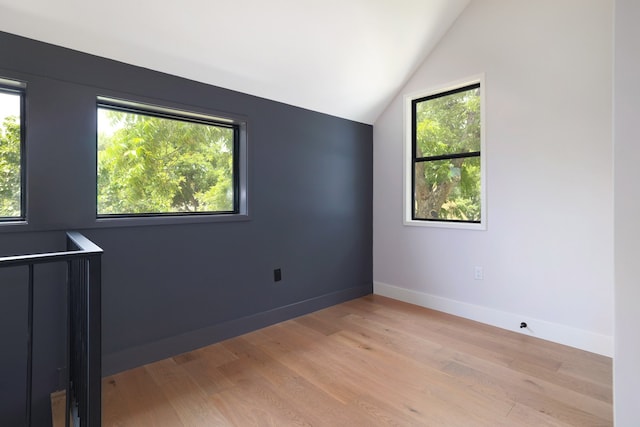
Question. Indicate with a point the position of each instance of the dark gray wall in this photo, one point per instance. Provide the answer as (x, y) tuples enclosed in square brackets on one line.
[(171, 288)]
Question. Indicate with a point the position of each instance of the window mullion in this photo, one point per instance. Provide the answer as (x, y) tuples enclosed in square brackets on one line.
[(448, 156)]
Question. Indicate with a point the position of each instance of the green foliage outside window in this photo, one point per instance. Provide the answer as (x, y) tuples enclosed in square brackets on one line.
[(159, 165), (10, 156), (447, 180)]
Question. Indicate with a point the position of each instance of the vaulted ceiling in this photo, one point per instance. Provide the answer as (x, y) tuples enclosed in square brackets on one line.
[(347, 58)]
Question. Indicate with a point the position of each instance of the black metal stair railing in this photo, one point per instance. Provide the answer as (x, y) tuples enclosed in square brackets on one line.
[(83, 392)]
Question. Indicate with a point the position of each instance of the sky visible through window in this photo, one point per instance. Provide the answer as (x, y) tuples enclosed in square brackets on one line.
[(9, 105), (106, 126)]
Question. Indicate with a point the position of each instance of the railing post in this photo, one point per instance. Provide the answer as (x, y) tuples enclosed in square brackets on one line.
[(29, 346), (94, 345), (67, 406)]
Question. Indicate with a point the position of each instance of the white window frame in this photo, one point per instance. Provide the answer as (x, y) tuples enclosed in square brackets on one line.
[(408, 156)]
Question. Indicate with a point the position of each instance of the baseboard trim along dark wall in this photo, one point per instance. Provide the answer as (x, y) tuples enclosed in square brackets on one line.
[(168, 347)]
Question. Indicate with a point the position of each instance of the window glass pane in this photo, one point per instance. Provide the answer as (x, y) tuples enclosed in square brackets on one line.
[(448, 189), (158, 165), (10, 155), (448, 124)]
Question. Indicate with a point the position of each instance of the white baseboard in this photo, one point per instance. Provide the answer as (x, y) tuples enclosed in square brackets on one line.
[(555, 332)]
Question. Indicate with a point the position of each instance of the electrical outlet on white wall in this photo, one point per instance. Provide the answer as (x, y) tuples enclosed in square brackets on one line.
[(478, 273)]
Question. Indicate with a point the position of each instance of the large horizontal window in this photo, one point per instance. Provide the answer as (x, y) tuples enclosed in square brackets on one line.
[(11, 151), (445, 163), (156, 161)]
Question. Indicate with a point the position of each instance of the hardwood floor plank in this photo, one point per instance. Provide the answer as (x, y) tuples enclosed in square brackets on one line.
[(58, 408), (382, 413), (391, 376), (530, 394), (371, 361), (253, 401), (593, 370), (311, 364), (185, 396), (319, 325), (207, 376), (413, 375), (317, 406), (138, 401), (580, 383), (522, 415)]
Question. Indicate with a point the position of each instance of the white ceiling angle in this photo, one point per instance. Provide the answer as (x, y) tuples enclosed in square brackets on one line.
[(347, 58)]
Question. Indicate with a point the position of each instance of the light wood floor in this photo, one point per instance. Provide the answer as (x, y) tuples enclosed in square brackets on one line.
[(368, 362)]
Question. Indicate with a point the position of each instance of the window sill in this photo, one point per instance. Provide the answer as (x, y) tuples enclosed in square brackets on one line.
[(13, 225), (444, 224), (106, 222)]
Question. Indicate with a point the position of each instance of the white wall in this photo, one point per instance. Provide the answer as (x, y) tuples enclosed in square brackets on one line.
[(627, 213), (548, 250)]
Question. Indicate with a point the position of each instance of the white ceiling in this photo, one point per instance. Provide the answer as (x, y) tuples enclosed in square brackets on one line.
[(347, 58)]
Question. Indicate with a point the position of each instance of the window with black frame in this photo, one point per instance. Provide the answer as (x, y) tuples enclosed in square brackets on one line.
[(155, 161), (446, 156), (12, 200)]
